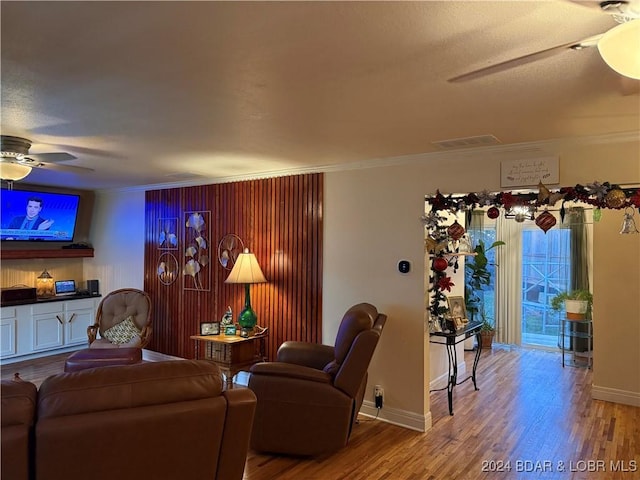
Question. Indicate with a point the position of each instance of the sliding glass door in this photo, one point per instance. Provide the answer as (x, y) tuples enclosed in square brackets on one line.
[(546, 270), (530, 269)]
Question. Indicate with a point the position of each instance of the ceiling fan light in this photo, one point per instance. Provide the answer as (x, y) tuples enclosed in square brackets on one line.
[(620, 48), (13, 171)]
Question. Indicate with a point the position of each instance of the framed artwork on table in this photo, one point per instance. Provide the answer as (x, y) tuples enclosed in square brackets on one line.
[(459, 322), (456, 308), (230, 330), (210, 328)]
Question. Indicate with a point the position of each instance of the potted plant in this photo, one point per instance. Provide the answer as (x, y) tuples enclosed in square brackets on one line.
[(577, 303), (478, 276), (487, 331)]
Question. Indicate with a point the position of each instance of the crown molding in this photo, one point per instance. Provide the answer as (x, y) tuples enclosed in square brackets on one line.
[(527, 149)]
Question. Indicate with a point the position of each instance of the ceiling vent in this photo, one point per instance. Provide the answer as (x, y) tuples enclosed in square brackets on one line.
[(467, 142)]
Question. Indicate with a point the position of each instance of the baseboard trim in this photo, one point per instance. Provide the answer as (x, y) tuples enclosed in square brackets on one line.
[(442, 380), (394, 416), (615, 395), (46, 353)]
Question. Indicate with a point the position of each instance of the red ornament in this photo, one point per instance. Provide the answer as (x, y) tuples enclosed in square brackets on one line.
[(635, 199), (493, 212), (455, 230), (545, 221), (440, 264)]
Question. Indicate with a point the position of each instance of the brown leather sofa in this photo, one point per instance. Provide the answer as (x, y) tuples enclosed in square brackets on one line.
[(18, 416), (162, 420), (309, 398)]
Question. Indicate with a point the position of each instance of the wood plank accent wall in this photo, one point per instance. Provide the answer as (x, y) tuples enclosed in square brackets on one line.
[(279, 220)]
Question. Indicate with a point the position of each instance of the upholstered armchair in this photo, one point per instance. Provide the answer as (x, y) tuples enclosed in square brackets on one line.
[(123, 320), (309, 398)]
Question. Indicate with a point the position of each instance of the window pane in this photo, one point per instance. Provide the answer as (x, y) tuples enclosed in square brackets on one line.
[(545, 272)]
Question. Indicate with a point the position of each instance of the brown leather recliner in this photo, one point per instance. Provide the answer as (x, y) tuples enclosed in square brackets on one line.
[(309, 398), (114, 309), (18, 418)]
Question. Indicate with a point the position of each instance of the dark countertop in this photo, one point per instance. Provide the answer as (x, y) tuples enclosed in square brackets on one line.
[(61, 298)]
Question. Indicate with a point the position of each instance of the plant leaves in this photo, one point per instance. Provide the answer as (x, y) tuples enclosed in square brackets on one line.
[(190, 251)]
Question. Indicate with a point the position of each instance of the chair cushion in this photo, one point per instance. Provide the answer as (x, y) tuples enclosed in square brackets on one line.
[(122, 332)]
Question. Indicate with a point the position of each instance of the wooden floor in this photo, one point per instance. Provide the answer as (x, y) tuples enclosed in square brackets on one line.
[(531, 419)]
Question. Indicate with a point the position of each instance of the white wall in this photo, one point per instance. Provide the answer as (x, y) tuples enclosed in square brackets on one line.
[(372, 220), (117, 233)]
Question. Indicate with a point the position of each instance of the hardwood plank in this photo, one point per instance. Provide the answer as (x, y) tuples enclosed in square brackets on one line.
[(528, 409), (37, 370)]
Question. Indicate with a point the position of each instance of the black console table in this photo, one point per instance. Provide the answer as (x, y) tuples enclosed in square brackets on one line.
[(450, 339)]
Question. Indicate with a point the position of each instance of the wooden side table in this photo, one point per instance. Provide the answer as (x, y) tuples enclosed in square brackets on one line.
[(231, 353)]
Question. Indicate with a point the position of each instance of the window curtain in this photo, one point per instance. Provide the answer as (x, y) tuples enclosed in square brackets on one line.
[(579, 249), (508, 281), (579, 268)]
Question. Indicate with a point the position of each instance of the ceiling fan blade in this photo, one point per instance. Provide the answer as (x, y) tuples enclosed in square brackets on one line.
[(523, 60), (58, 167), (52, 157), (34, 162)]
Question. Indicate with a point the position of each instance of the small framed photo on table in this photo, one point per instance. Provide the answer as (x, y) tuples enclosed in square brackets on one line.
[(459, 322), (230, 330), (210, 328), (457, 311)]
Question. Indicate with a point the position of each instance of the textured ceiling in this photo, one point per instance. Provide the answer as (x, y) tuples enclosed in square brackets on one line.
[(154, 92)]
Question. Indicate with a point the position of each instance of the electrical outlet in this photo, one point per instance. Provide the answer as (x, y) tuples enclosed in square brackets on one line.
[(378, 395)]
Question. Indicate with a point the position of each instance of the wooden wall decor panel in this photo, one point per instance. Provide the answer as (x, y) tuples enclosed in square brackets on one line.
[(280, 221)]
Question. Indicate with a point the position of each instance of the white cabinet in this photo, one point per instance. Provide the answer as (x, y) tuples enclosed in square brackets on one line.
[(48, 326), (45, 326), (8, 337), (79, 314)]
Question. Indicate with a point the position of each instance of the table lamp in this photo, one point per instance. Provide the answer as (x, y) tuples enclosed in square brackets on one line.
[(44, 285), (246, 270)]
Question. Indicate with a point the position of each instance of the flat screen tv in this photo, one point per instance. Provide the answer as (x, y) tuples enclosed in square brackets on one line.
[(38, 216)]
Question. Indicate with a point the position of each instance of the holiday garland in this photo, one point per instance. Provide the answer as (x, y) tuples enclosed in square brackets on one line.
[(441, 241)]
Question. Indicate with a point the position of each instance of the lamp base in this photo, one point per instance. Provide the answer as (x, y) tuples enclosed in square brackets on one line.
[(247, 319)]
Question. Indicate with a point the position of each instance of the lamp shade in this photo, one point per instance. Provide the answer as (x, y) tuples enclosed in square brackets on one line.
[(13, 171), (620, 48), (246, 270)]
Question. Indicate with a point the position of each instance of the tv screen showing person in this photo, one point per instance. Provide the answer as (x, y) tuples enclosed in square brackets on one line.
[(37, 215), (32, 220)]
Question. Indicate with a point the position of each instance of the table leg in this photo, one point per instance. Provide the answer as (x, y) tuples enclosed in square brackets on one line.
[(476, 359), (228, 377), (453, 374)]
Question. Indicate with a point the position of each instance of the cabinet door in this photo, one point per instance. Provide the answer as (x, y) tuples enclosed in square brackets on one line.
[(79, 314), (48, 326), (8, 331)]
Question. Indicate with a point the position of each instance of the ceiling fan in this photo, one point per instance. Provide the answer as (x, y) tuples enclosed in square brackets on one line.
[(16, 162), (619, 46)]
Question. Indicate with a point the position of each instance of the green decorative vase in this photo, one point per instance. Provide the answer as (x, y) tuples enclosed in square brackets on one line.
[(247, 318)]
